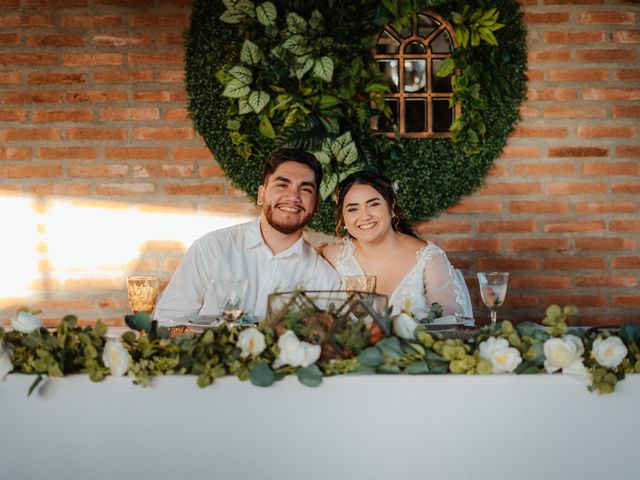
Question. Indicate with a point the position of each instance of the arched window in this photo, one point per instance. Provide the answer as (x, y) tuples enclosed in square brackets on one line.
[(419, 100)]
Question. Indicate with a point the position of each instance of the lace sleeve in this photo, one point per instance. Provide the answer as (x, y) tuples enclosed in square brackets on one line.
[(441, 283)]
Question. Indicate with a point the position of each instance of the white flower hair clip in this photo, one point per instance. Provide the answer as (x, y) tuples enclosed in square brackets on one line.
[(395, 186)]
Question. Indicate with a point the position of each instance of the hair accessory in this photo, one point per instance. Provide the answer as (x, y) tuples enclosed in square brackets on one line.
[(395, 186)]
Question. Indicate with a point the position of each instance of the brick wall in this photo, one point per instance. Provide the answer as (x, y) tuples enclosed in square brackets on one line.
[(93, 120)]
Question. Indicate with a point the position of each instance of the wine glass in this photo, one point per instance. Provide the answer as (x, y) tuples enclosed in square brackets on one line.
[(231, 294), (493, 288), (142, 293)]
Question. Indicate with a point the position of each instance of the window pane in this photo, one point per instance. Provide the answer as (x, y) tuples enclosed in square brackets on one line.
[(390, 70), (415, 47), (439, 84), (426, 25), (415, 75), (385, 124), (415, 115), (387, 44), (442, 116), (442, 43)]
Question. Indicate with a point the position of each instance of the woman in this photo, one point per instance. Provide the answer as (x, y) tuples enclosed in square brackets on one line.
[(379, 242)]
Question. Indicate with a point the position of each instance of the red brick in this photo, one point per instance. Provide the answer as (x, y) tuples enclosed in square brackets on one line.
[(627, 75), (66, 189), (96, 96), (62, 116), (191, 153), (605, 131), (534, 75), (626, 188), (171, 76), (529, 111), (91, 21), (577, 152), (558, 94), (9, 39), (163, 133), (13, 153), (626, 262), (110, 114), (471, 245), (574, 226), (537, 169), (509, 188), (27, 21), (574, 263), (443, 226), (55, 40), (13, 115), (605, 243), (520, 301), (606, 281), (628, 225), (30, 134), (507, 226), (57, 78), (30, 171), (171, 39), (92, 171), (86, 59), (520, 152), (148, 171), (541, 206), (57, 4), (549, 56), (548, 17), (32, 97), (539, 131), (155, 96), (210, 171), (574, 37), (578, 75), (539, 245), (607, 18), (176, 115), (564, 188), (135, 153), (9, 78), (124, 3), (626, 300), (160, 20), (547, 281), (628, 151), (606, 207), (626, 111), (611, 94), (125, 188), (577, 300), (121, 40), (129, 76), (194, 189), (156, 58), (609, 56), (572, 2), (627, 36), (68, 153), (27, 59), (476, 206), (605, 168), (97, 133)]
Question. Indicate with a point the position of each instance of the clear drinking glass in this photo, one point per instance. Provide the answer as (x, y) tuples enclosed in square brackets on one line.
[(493, 288), (360, 283), (143, 293), (231, 294)]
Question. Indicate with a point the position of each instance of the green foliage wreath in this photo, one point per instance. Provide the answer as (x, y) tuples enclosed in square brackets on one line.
[(300, 73)]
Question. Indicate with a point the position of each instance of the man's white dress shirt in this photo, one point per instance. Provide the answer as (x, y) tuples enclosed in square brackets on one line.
[(235, 253)]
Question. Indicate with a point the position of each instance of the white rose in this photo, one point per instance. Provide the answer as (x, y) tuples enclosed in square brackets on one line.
[(578, 371), (251, 342), (404, 326), (26, 323), (609, 352), (5, 362), (116, 358), (502, 357), (294, 352), (562, 352)]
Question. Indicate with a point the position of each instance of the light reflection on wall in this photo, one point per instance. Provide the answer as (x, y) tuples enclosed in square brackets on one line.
[(80, 240)]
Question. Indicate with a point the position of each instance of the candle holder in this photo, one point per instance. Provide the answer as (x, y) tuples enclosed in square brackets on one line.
[(143, 293)]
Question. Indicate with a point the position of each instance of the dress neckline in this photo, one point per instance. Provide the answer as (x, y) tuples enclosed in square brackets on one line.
[(404, 279)]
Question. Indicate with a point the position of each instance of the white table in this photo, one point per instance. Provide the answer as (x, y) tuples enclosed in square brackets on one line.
[(351, 427)]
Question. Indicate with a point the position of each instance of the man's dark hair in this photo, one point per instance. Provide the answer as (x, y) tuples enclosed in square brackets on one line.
[(282, 155)]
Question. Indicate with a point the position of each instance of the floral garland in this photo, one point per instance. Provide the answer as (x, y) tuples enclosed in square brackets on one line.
[(259, 354), (288, 73)]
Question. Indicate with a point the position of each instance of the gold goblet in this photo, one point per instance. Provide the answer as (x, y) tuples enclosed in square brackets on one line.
[(142, 293)]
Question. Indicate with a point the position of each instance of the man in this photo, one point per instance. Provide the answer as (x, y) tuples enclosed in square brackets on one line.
[(268, 252)]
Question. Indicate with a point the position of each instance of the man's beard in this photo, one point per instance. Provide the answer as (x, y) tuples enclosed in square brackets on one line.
[(285, 227)]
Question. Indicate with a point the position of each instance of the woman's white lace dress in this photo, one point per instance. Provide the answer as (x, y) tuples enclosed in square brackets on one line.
[(432, 279)]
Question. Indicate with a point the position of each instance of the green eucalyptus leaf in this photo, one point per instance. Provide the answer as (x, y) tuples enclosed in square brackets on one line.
[(236, 89), (417, 368), (371, 357), (262, 375), (266, 13), (390, 347), (323, 69), (526, 329), (310, 376), (250, 54), (258, 100)]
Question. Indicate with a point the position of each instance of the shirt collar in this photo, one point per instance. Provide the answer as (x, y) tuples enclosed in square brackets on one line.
[(253, 238)]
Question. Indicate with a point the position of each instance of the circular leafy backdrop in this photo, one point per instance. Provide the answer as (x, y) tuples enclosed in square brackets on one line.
[(433, 173)]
